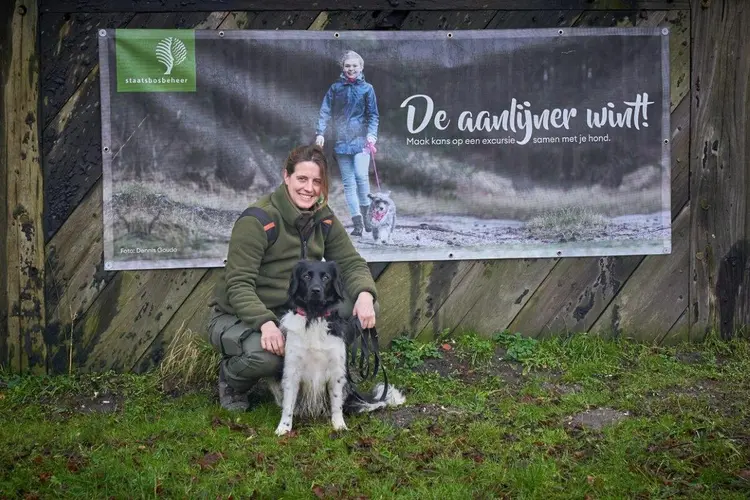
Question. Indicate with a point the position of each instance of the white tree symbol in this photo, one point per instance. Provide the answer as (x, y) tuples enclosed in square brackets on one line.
[(171, 52)]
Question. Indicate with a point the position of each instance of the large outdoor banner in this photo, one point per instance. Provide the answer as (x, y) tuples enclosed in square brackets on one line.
[(454, 145)]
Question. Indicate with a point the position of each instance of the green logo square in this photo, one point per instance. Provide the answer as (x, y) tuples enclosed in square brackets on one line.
[(155, 60)]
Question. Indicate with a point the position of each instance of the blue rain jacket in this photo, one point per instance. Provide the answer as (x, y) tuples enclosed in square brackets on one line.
[(353, 109)]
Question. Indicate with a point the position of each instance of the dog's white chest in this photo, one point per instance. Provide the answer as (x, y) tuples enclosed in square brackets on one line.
[(312, 342), (315, 359)]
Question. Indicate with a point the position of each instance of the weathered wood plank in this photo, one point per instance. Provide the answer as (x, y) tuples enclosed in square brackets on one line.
[(6, 53), (720, 168), (24, 247), (492, 293), (521, 19), (447, 20), (72, 141), (680, 331), (69, 50), (72, 156), (205, 5), (411, 296), (75, 275), (128, 315), (680, 155), (274, 20), (656, 294), (345, 20), (607, 18), (574, 294), (192, 315), (678, 23)]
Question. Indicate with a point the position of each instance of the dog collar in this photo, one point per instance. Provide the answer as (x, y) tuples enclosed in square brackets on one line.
[(301, 312)]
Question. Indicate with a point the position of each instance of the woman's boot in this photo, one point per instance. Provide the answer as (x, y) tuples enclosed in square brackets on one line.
[(365, 211), (357, 220)]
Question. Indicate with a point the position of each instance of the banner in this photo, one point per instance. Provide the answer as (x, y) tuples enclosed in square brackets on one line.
[(483, 144)]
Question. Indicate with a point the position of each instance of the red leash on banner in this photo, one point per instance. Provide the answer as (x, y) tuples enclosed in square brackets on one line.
[(371, 148)]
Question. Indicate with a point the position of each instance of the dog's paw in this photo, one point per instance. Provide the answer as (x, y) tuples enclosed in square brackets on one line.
[(283, 429), (339, 424)]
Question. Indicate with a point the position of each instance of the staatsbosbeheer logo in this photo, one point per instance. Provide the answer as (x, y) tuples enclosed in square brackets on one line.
[(171, 52), (155, 60)]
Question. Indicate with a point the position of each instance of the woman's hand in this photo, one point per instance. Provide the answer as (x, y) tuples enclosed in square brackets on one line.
[(364, 310), (271, 338), (319, 140)]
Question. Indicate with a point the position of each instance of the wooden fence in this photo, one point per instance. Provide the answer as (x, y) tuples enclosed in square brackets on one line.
[(61, 310)]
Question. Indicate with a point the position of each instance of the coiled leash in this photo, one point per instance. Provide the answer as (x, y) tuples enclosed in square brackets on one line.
[(363, 342)]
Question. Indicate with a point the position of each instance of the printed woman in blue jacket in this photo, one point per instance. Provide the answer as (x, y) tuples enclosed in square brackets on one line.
[(351, 110)]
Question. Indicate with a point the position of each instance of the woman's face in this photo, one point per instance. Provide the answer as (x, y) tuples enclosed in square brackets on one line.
[(352, 68), (305, 184)]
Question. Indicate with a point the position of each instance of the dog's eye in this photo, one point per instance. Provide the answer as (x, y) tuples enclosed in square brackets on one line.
[(307, 276), (325, 277)]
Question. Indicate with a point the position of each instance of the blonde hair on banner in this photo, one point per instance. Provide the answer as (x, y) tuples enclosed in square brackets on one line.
[(350, 54)]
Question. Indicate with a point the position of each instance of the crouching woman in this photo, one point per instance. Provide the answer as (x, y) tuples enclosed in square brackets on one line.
[(250, 294)]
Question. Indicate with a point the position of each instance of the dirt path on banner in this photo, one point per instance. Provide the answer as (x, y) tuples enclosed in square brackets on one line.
[(439, 231)]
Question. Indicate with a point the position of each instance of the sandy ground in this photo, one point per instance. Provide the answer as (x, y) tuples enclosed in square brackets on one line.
[(468, 237)]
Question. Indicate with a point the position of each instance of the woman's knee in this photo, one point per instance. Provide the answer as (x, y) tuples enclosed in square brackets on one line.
[(244, 370)]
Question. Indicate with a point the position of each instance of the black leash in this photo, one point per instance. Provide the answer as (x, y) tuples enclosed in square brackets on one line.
[(363, 341)]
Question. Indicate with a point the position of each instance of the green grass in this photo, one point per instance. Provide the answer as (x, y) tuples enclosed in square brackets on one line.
[(501, 419)]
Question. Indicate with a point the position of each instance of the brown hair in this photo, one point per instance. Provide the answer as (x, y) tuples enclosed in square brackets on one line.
[(313, 153)]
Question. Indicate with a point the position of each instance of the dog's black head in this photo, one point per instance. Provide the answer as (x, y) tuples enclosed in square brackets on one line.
[(315, 287)]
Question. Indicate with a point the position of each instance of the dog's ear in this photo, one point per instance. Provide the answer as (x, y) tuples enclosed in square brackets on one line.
[(371, 196), (338, 281), (294, 282)]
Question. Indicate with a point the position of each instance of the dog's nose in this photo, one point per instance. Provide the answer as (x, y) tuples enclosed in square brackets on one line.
[(316, 290)]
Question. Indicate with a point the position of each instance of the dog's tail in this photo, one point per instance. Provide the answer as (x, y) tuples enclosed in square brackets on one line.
[(393, 396), (365, 403)]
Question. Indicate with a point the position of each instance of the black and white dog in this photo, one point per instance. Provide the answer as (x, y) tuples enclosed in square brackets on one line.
[(316, 378)]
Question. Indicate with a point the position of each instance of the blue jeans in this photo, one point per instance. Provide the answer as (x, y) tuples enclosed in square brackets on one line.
[(355, 176)]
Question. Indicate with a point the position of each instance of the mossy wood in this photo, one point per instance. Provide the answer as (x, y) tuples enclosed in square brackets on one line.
[(720, 168), (22, 343)]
